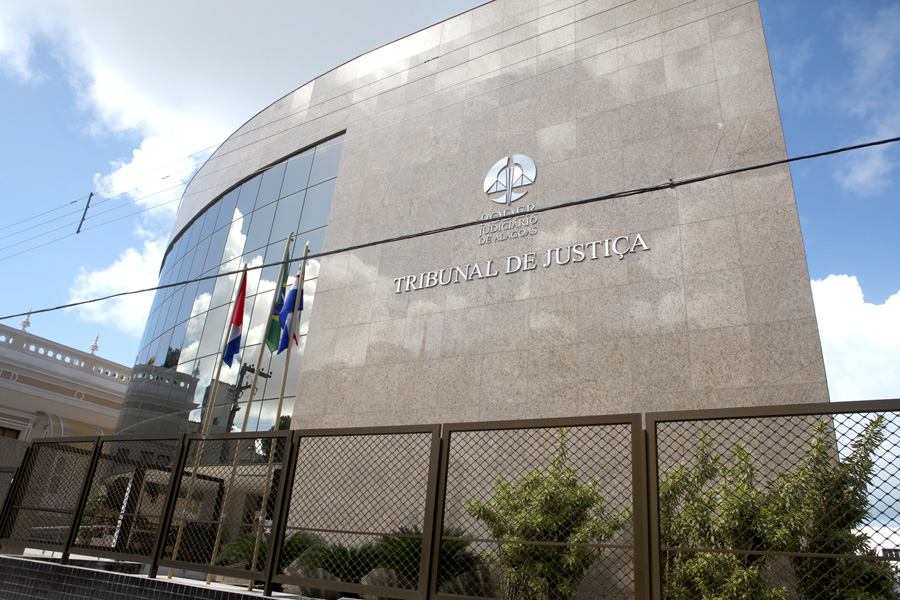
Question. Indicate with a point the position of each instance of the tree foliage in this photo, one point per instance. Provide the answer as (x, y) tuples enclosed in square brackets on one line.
[(546, 505), (815, 508)]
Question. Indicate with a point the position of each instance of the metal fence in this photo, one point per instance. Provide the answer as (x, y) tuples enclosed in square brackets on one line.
[(788, 502), (777, 502)]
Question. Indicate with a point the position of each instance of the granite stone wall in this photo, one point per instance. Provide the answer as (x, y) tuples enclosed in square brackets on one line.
[(693, 296)]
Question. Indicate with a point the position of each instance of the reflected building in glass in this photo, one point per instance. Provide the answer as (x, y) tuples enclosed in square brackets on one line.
[(687, 296), (183, 338)]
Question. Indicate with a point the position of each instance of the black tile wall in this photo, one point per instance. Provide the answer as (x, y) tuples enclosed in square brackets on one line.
[(24, 579)]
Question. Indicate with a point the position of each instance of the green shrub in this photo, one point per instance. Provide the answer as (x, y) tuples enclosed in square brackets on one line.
[(547, 505)]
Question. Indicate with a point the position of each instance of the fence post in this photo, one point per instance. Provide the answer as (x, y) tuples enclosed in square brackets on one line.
[(653, 509), (641, 511), (171, 499), (20, 474), (79, 508), (439, 500), (282, 508)]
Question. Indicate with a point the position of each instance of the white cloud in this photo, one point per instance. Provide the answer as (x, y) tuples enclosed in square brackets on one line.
[(133, 270), (860, 341), (871, 94)]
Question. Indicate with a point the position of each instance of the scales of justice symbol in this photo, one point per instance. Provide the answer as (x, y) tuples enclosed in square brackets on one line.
[(509, 174)]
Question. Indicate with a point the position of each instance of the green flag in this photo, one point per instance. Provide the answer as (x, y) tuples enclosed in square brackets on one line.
[(273, 331)]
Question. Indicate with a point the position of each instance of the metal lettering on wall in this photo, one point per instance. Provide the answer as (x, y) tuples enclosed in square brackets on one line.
[(519, 263), (501, 184)]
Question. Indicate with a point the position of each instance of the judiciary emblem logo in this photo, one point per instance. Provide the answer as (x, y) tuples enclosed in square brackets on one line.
[(508, 175)]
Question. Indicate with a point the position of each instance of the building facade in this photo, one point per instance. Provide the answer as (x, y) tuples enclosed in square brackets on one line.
[(52, 390), (652, 294)]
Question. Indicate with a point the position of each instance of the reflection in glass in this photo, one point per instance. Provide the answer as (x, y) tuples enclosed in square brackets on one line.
[(271, 185), (317, 206), (286, 218), (226, 209), (247, 197), (296, 176), (325, 163), (260, 226), (184, 333)]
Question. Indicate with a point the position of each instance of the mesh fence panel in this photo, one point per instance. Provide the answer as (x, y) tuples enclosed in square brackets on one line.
[(127, 496), (226, 503), (802, 506), (358, 511), (6, 480), (44, 507), (538, 514)]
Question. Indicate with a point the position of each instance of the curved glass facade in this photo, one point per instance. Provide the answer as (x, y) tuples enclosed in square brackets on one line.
[(179, 351)]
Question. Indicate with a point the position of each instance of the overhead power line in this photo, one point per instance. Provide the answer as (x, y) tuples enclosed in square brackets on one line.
[(97, 202), (671, 184)]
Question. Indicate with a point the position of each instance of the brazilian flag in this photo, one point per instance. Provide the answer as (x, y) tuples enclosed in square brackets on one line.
[(273, 333)]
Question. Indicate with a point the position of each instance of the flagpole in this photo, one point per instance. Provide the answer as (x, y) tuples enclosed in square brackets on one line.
[(294, 324), (207, 418), (237, 447), (215, 388), (287, 365), (284, 266)]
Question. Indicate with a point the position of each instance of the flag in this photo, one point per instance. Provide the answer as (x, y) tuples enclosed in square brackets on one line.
[(286, 318), (234, 336), (273, 334)]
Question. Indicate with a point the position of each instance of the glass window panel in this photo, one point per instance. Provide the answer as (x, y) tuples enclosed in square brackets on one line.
[(225, 286), (259, 321), (176, 249), (317, 206), (253, 259), (216, 248), (274, 256), (203, 296), (168, 261), (177, 340), (237, 235), (209, 220), (150, 355), (247, 199), (206, 368), (213, 330), (267, 415), (260, 226), (226, 209), (191, 344), (187, 301), (296, 175), (199, 259), (185, 268), (271, 185), (174, 308), (162, 350), (287, 216), (316, 239), (252, 419), (326, 162), (193, 235)]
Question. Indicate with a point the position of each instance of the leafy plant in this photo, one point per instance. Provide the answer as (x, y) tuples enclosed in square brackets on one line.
[(402, 552), (240, 549), (348, 563), (816, 508), (546, 505), (96, 519), (713, 505)]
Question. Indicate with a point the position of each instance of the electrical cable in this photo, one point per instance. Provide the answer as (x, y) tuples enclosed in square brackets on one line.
[(322, 102), (623, 194)]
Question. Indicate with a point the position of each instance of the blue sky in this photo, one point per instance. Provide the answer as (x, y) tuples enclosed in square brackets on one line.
[(117, 96)]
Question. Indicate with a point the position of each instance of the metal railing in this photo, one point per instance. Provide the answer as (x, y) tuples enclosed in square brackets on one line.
[(794, 502)]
